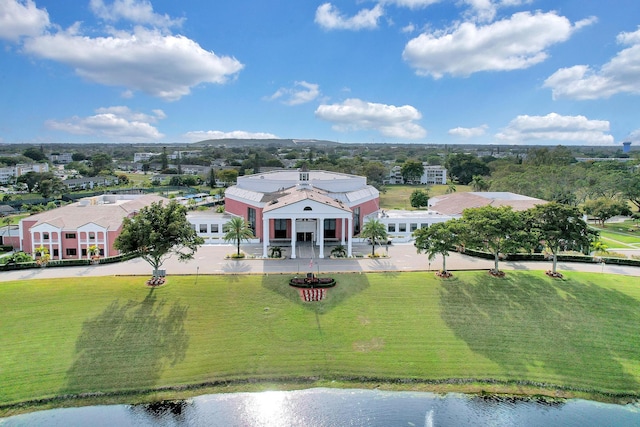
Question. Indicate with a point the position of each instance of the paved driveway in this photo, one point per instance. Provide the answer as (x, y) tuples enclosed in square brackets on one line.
[(211, 260)]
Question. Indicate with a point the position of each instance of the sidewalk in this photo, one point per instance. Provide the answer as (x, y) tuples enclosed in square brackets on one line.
[(211, 260)]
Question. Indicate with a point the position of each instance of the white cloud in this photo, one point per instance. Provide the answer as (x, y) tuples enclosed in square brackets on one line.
[(634, 136), (619, 75), (115, 123), (21, 18), (554, 128), (468, 132), (514, 43), (330, 18), (389, 120), (409, 28), (201, 135), (412, 4), (165, 66), (301, 93), (136, 11)]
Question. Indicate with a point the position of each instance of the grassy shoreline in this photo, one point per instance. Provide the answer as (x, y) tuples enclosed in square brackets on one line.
[(112, 340)]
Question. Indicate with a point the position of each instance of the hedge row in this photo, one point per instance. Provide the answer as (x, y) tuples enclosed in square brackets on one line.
[(561, 258), (68, 262)]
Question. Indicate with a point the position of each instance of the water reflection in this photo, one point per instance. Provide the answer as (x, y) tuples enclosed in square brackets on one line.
[(329, 407)]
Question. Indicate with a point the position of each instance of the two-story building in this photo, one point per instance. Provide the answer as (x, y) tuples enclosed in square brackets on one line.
[(68, 231), (293, 206)]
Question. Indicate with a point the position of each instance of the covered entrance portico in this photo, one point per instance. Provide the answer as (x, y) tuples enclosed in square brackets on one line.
[(312, 217)]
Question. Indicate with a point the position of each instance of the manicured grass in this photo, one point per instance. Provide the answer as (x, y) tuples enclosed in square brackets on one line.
[(85, 335), (397, 196), (629, 239)]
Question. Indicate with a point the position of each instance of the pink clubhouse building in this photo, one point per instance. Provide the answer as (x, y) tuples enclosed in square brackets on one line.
[(67, 232), (292, 206)]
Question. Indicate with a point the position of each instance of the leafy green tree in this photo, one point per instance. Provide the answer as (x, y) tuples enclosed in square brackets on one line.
[(561, 228), (375, 172), (101, 162), (164, 160), (228, 175), (30, 179), (374, 230), (78, 157), (158, 231), (123, 179), (437, 239), (462, 167), (495, 229), (630, 188), (50, 186), (419, 198), (237, 230), (604, 208), (411, 170), (35, 154)]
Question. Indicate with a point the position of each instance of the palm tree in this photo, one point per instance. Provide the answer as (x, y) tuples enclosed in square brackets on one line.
[(478, 183), (374, 230), (237, 230)]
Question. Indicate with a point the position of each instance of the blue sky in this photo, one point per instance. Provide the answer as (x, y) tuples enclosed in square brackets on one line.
[(365, 71)]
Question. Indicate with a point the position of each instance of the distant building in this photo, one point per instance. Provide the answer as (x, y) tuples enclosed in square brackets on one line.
[(61, 158), (433, 174), (626, 146), (9, 174), (143, 157)]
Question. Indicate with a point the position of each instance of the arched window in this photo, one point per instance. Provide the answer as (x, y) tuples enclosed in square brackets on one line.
[(307, 208)]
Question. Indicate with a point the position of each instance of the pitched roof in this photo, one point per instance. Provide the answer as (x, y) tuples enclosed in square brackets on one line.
[(455, 203), (107, 215), (294, 195)]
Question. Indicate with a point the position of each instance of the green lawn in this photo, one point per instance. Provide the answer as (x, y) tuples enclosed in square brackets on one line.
[(82, 335), (397, 196), (621, 235)]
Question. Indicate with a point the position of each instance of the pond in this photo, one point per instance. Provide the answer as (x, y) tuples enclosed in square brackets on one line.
[(338, 407)]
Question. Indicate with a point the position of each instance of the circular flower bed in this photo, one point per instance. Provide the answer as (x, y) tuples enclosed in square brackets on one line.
[(555, 275), (496, 273), (444, 274), (156, 281)]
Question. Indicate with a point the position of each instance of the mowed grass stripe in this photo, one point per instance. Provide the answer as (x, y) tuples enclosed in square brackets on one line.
[(83, 335)]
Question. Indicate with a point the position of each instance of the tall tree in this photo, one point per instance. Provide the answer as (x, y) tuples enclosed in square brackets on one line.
[(437, 239), (462, 167), (374, 230), (419, 198), (411, 170), (35, 154), (495, 229), (212, 177), (157, 232), (604, 208), (237, 230), (560, 227), (101, 162)]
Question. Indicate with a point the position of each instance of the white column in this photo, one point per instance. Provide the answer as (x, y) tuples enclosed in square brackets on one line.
[(321, 237), (265, 236), (349, 230), (59, 244), (293, 237), (343, 222)]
